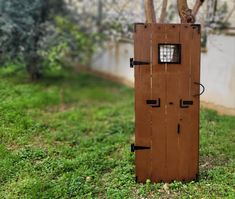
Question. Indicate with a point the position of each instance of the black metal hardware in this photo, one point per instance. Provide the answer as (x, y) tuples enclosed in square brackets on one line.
[(197, 177), (136, 179), (203, 89), (132, 62), (154, 103), (178, 128), (135, 148), (185, 103), (151, 101)]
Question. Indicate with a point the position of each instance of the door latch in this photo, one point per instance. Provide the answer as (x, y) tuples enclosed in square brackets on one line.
[(185, 103), (178, 128), (154, 103)]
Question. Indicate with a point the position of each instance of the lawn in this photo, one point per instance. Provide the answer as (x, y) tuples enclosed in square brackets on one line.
[(69, 136)]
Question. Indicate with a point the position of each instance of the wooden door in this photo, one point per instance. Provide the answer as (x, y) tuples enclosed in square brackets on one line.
[(167, 73)]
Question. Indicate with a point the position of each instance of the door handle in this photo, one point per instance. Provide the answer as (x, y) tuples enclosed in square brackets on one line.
[(203, 89)]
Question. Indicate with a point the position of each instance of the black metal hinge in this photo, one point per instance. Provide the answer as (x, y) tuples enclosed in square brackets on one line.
[(185, 103), (132, 62), (154, 103), (136, 179), (135, 148)]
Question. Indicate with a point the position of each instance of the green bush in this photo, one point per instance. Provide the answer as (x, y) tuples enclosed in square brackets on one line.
[(34, 34)]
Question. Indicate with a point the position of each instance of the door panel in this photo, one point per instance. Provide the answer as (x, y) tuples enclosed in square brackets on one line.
[(171, 130)]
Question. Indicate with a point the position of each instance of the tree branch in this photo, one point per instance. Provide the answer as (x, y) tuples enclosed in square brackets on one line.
[(149, 11), (196, 7), (163, 11), (184, 12), (229, 14)]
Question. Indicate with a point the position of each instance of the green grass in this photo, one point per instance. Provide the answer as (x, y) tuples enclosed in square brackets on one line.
[(69, 136)]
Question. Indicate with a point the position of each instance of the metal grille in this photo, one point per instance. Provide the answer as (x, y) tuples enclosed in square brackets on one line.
[(169, 53)]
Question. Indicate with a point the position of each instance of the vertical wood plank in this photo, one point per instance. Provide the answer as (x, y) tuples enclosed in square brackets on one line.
[(188, 117), (142, 93), (195, 69), (172, 37), (159, 164)]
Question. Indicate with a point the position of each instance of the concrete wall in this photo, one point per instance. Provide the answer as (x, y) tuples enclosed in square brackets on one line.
[(217, 68), (115, 61), (218, 71)]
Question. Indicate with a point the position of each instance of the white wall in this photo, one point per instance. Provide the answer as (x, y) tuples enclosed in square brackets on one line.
[(115, 61), (218, 71), (217, 68)]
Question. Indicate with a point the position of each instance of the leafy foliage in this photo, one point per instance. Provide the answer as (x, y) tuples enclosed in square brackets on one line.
[(34, 32), (20, 25), (81, 44), (23, 27)]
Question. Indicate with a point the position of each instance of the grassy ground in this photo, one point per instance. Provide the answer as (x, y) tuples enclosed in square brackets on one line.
[(69, 136)]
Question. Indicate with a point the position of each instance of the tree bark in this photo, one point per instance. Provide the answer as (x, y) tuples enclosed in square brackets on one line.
[(99, 15), (163, 11), (184, 12), (149, 11), (196, 7)]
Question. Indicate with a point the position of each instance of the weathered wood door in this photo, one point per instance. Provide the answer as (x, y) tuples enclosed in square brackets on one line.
[(167, 77)]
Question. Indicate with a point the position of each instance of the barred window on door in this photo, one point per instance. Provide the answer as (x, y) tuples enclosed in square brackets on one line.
[(169, 53)]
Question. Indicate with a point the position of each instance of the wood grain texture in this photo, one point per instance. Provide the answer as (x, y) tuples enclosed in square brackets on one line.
[(142, 93), (171, 131), (158, 114)]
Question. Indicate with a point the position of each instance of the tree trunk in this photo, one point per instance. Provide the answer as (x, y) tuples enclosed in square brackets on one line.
[(149, 11), (33, 66), (99, 15), (184, 12), (163, 11)]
